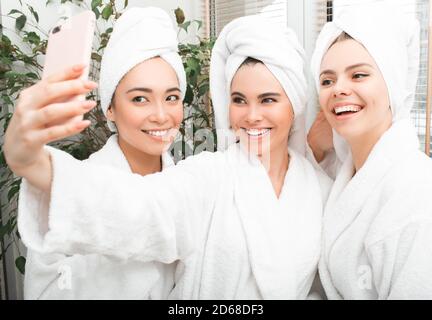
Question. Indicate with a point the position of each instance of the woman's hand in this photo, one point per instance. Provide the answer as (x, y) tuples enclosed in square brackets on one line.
[(42, 116), (320, 137)]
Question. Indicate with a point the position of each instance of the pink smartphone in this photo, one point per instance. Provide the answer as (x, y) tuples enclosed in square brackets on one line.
[(69, 44)]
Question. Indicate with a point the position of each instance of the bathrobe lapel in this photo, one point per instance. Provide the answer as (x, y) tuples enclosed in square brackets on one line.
[(349, 195), (111, 154), (266, 227)]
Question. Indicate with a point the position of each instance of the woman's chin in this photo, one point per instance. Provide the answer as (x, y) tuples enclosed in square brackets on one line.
[(259, 150), (348, 132)]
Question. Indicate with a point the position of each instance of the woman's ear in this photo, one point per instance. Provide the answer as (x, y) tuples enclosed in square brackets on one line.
[(110, 114)]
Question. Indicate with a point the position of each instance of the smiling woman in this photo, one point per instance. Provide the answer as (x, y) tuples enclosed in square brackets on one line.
[(147, 85), (147, 112), (377, 239), (261, 114), (260, 111), (354, 96)]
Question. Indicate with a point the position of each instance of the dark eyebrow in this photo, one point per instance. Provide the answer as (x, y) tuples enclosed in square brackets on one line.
[(358, 65), (238, 94), (150, 90), (172, 89), (261, 96), (268, 94), (328, 71), (140, 89)]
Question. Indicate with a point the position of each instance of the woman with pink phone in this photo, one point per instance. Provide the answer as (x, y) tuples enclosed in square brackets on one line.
[(141, 85)]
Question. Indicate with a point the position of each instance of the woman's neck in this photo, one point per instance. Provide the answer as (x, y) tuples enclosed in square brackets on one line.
[(140, 162), (276, 164), (362, 146)]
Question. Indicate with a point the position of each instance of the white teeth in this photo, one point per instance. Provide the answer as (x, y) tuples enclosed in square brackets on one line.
[(256, 132), (157, 133), (352, 108)]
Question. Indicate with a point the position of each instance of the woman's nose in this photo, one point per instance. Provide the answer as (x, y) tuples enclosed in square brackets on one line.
[(341, 88), (159, 114), (253, 114)]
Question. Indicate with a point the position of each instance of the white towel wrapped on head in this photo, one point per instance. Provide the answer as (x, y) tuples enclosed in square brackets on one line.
[(278, 48), (391, 38)]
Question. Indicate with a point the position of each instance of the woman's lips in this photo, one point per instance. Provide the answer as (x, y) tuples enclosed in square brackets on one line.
[(346, 111), (256, 133)]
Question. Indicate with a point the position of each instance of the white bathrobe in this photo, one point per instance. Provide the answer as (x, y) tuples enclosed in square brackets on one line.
[(230, 242), (92, 276), (377, 237)]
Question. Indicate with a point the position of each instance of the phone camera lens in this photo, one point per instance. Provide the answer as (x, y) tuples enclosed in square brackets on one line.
[(56, 29)]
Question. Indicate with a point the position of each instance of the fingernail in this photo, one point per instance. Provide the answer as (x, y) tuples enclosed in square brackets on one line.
[(90, 84), (83, 124), (89, 104)]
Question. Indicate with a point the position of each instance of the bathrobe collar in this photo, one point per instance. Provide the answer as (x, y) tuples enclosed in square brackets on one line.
[(349, 193), (112, 155), (263, 219)]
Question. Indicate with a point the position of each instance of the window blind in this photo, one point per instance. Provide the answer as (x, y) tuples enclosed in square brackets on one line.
[(224, 11)]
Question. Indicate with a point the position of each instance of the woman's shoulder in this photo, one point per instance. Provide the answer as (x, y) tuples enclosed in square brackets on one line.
[(405, 197), (411, 175), (303, 166), (206, 160)]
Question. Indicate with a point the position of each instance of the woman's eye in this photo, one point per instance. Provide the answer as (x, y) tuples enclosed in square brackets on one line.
[(268, 100), (360, 75), (238, 100), (140, 99), (325, 82), (173, 98)]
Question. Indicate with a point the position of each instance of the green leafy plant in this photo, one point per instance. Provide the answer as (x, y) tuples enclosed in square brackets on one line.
[(20, 68), (197, 126)]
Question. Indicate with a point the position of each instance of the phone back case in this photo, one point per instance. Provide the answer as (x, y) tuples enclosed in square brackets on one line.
[(70, 43)]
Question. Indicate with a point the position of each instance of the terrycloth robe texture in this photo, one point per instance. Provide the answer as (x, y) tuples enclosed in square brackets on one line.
[(230, 242), (92, 276), (377, 235)]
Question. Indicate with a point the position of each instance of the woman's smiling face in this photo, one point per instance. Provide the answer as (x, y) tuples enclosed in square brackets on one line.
[(353, 93), (260, 111), (147, 108)]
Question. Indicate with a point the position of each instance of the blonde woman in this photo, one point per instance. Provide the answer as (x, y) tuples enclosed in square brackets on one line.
[(377, 239)]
